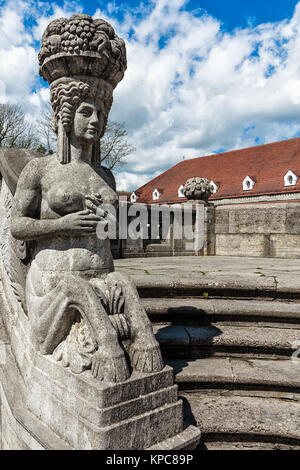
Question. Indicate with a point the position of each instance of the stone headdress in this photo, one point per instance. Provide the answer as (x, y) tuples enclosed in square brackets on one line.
[(80, 57)]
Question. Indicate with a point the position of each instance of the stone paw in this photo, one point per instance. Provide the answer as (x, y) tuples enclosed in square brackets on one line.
[(146, 358), (108, 367)]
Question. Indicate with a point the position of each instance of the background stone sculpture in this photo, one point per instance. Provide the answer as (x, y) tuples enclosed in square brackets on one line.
[(197, 189)]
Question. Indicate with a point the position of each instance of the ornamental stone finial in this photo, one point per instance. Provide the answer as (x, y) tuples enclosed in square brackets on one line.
[(197, 189), (82, 46)]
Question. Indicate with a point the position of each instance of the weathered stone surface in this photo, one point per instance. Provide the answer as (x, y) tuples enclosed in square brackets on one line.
[(226, 340), (271, 376), (247, 369), (260, 219), (179, 442), (211, 370), (292, 219), (102, 394), (172, 335), (21, 429), (77, 306), (285, 246), (221, 220), (242, 245), (267, 277), (173, 339), (197, 189), (279, 374), (123, 434), (67, 42), (258, 418), (244, 339), (207, 309), (12, 162)]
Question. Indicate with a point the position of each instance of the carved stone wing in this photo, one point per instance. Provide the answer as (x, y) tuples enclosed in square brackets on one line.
[(14, 252)]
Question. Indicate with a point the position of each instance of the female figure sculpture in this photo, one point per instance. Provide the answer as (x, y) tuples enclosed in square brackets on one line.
[(80, 309)]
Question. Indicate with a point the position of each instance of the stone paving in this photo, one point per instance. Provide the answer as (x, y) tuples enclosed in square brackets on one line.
[(262, 273)]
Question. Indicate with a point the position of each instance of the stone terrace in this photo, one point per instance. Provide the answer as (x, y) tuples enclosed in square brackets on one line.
[(229, 327)]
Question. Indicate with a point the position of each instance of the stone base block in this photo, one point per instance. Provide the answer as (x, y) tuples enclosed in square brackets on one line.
[(136, 414), (141, 413)]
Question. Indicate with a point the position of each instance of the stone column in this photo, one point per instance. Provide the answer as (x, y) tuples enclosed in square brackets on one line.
[(197, 191)]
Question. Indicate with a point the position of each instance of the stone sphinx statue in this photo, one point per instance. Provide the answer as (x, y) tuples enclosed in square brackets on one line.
[(80, 309), (82, 367)]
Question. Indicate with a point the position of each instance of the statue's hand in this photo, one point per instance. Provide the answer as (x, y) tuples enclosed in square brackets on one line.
[(93, 201), (79, 222)]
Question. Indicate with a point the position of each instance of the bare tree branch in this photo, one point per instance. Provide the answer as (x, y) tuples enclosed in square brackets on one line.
[(114, 145), (14, 130), (46, 133)]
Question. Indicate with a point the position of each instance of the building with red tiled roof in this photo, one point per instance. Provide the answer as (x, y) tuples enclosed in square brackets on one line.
[(260, 173)]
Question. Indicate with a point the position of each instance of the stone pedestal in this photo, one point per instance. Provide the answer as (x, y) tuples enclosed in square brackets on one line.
[(137, 414), (46, 406)]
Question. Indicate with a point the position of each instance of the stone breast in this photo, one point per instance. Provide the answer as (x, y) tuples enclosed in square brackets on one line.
[(64, 199)]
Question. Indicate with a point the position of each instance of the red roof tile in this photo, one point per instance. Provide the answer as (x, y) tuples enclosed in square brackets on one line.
[(265, 164)]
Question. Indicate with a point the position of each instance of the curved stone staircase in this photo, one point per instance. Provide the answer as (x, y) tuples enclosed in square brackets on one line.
[(231, 347)]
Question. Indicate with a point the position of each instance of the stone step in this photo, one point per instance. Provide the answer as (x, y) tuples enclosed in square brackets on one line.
[(225, 340), (233, 422), (200, 311), (240, 377), (217, 276), (229, 286)]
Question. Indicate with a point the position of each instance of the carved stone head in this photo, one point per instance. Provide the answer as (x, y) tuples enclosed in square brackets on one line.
[(83, 60)]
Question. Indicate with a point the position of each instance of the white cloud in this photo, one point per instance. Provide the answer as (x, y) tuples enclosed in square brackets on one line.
[(19, 79), (190, 88), (206, 90), (125, 180), (18, 65)]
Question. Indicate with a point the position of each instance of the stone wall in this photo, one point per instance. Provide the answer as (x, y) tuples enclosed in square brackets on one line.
[(258, 229), (171, 246), (263, 230)]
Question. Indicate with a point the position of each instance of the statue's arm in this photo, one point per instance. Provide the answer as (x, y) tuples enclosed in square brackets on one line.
[(25, 224)]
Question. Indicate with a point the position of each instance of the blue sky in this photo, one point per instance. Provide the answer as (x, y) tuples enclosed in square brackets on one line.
[(203, 76), (233, 13)]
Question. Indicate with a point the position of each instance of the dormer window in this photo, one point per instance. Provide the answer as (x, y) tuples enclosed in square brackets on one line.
[(290, 179), (248, 184), (133, 197), (214, 187), (155, 195), (180, 191)]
